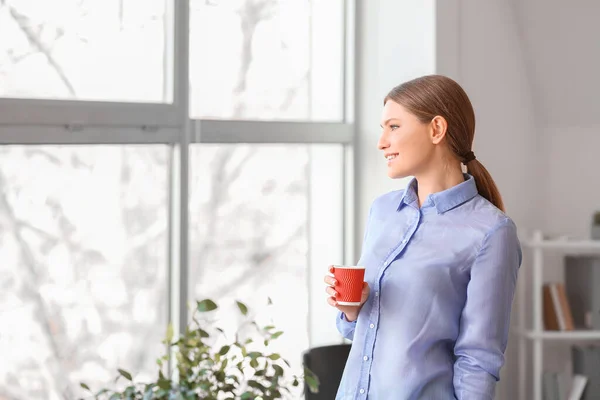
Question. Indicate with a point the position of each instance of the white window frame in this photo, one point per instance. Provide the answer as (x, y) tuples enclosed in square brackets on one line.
[(36, 121)]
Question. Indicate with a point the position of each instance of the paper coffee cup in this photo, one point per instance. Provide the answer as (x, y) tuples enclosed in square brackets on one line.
[(349, 284)]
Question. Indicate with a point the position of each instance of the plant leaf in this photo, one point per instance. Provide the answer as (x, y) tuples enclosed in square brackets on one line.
[(313, 383), (257, 385), (242, 307), (163, 382), (311, 380), (169, 335), (129, 391), (274, 356), (148, 392), (278, 370), (224, 350), (206, 305), (269, 301), (203, 333), (276, 335), (125, 374), (86, 387)]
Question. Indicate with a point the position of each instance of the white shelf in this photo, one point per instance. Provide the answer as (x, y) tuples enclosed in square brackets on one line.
[(535, 336), (563, 244), (560, 335)]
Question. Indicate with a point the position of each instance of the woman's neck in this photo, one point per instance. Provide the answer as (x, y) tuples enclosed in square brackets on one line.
[(438, 181)]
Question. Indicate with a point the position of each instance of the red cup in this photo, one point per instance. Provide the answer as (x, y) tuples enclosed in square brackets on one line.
[(349, 284)]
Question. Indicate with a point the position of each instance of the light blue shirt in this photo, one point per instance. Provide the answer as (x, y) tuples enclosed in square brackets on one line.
[(442, 279)]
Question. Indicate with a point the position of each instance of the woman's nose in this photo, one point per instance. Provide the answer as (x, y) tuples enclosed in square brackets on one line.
[(383, 143)]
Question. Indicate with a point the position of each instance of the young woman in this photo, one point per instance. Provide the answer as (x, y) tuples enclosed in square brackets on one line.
[(441, 260)]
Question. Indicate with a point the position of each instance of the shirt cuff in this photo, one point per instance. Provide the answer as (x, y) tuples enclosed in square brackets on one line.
[(345, 327)]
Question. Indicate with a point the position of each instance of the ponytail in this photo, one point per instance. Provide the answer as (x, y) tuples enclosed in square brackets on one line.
[(485, 184)]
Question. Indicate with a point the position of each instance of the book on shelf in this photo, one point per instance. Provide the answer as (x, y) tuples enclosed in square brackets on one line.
[(556, 308), (585, 360), (577, 387)]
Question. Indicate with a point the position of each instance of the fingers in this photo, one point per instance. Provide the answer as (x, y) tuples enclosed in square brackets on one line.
[(330, 291), (330, 280), (331, 301)]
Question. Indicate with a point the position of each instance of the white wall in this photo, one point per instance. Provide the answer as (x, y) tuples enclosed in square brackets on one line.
[(571, 166), (491, 67), (563, 54)]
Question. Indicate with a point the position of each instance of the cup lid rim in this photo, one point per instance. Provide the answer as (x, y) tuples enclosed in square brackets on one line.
[(349, 266)]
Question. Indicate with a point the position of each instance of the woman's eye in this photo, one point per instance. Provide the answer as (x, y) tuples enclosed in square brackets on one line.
[(394, 127)]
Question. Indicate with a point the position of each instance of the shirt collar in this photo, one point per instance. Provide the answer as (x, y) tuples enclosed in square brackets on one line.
[(444, 200)]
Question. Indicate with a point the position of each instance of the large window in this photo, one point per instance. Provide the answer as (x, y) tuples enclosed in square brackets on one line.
[(109, 50), (158, 152), (82, 266)]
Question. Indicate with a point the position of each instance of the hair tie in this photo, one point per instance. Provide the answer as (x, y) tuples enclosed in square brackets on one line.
[(468, 157)]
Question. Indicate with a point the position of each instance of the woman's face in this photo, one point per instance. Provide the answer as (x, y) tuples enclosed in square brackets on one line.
[(405, 142)]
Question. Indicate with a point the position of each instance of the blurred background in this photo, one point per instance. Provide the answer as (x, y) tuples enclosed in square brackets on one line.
[(158, 152)]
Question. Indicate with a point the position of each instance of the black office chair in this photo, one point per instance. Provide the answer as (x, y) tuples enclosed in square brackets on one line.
[(328, 364)]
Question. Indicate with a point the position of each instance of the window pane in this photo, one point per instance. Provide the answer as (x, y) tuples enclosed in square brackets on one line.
[(108, 50), (248, 232), (266, 59), (83, 233)]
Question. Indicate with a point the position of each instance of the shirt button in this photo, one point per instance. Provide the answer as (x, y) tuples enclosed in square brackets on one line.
[(362, 391), (366, 358), (372, 326), (376, 294), (404, 241)]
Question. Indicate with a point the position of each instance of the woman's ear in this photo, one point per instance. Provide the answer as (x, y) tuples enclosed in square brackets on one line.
[(439, 126)]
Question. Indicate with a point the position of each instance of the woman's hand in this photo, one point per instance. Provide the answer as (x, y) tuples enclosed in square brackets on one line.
[(351, 312)]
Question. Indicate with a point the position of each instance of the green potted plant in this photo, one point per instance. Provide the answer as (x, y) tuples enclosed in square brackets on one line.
[(210, 366)]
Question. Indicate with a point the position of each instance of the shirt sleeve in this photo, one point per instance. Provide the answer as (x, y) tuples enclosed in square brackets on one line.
[(485, 318)]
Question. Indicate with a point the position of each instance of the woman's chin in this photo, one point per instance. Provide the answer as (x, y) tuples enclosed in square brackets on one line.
[(395, 174)]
